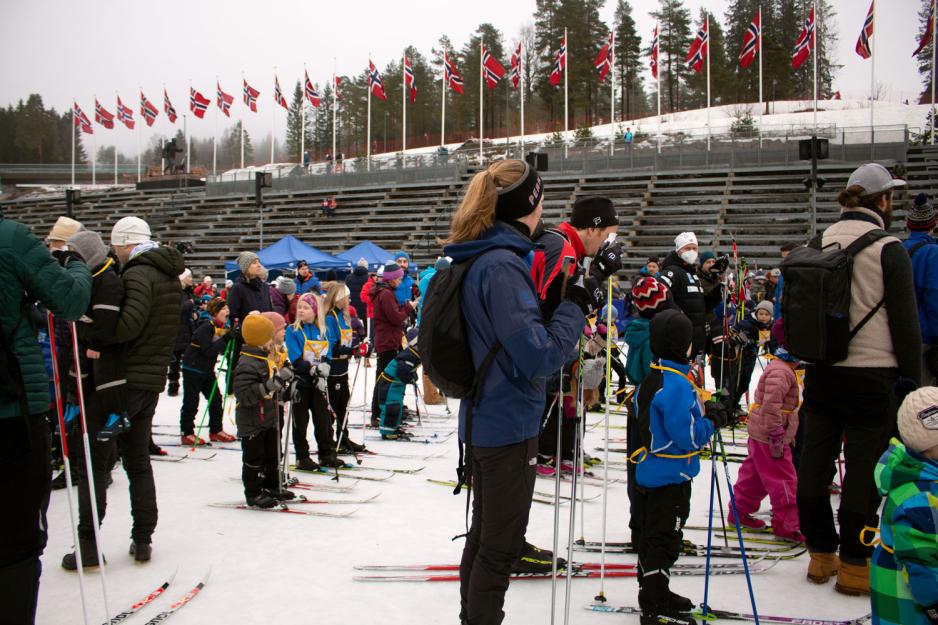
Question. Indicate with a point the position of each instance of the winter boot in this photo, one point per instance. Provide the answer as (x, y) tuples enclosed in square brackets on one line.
[(545, 470), (745, 520), (142, 552), (221, 437), (853, 578), (350, 446), (89, 556), (306, 464), (822, 566), (192, 440), (59, 482), (156, 450), (536, 560), (330, 461), (115, 424), (261, 500)]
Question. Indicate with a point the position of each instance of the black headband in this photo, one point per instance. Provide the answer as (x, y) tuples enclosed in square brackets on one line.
[(521, 197)]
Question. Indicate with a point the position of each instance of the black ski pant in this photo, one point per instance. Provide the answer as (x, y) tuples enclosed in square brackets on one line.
[(338, 399), (664, 511), (856, 406), (745, 376), (632, 443), (502, 488), (26, 474), (312, 403), (102, 459), (195, 383), (174, 367), (134, 448), (724, 369), (384, 359), (259, 462), (547, 441)]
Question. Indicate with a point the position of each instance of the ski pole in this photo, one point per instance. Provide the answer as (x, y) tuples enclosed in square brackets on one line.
[(89, 468), (601, 597), (285, 440), (211, 396), (577, 461), (66, 464)]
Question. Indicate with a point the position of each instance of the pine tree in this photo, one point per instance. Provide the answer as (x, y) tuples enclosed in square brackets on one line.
[(494, 100), (826, 46), (628, 63), (295, 122), (744, 83), (720, 74), (548, 32), (925, 58), (674, 39)]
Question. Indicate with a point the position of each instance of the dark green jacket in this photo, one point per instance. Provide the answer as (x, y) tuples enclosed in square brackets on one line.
[(28, 272), (149, 318)]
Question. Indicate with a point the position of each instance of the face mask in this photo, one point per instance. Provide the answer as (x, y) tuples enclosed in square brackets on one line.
[(689, 256)]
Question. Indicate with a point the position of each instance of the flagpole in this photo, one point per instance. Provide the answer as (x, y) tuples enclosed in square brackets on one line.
[(215, 131), (162, 160), (94, 145), (761, 52), (404, 104), (521, 82), (481, 100), (185, 129), (73, 142), (566, 76), (817, 20), (658, 79), (273, 119), (933, 48), (443, 101), (241, 121), (115, 151), (303, 117), (368, 146), (138, 140), (612, 96), (334, 91), (872, 85), (708, 80)]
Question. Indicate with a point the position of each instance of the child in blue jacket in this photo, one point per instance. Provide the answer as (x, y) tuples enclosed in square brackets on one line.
[(674, 429)]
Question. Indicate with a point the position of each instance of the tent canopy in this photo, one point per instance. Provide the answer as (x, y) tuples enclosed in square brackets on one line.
[(287, 252), (375, 255)]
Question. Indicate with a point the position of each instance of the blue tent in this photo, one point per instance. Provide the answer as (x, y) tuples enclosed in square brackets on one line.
[(376, 256), (287, 252)]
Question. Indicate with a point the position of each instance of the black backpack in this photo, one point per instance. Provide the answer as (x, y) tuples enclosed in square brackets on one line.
[(442, 342), (816, 299)]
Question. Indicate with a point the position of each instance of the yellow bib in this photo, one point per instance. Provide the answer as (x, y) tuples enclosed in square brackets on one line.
[(314, 350)]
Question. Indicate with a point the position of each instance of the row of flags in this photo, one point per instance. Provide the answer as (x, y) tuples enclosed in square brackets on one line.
[(492, 71)]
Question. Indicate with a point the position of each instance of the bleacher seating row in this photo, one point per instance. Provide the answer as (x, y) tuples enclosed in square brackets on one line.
[(757, 208)]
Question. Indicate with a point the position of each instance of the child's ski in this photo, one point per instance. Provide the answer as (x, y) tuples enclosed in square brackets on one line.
[(189, 596), (283, 509), (150, 598)]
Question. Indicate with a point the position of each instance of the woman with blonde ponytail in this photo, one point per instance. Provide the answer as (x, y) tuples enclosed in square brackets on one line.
[(499, 426)]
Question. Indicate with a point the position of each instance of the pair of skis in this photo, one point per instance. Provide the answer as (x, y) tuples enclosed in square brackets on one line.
[(282, 508), (688, 548), (156, 594), (731, 615)]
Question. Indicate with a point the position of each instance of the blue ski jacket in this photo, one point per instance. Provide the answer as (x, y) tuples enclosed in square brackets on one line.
[(925, 278)]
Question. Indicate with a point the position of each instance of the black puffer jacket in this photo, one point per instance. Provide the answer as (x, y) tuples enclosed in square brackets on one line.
[(688, 295), (149, 318), (247, 296), (187, 316), (355, 281)]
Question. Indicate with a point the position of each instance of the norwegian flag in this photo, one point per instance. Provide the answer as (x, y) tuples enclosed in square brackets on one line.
[(410, 80), (278, 94), (516, 66), (654, 53), (698, 48), (223, 100), (312, 94), (198, 103), (374, 82), (102, 116), (560, 63), (147, 111), (752, 40), (168, 107), (805, 42), (336, 80), (453, 79), (491, 69), (863, 41), (250, 96), (927, 35), (81, 120), (603, 62), (125, 114)]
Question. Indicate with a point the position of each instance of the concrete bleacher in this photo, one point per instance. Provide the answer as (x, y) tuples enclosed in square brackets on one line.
[(758, 208)]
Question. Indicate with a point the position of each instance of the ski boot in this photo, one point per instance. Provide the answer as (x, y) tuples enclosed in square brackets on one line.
[(398, 435), (350, 447), (261, 500), (331, 462), (537, 561), (142, 552), (306, 464), (59, 482), (115, 424), (192, 440), (221, 437), (280, 495), (89, 556), (745, 520), (156, 450), (545, 470)]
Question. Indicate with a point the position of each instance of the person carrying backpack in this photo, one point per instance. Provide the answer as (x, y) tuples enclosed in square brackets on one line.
[(923, 249), (867, 360), (513, 351)]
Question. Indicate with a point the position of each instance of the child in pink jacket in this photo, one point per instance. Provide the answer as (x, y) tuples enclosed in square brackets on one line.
[(768, 469)]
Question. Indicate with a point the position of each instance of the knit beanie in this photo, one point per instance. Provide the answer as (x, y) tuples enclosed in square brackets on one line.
[(402, 254), (922, 214), (443, 262), (671, 334), (649, 296), (286, 285), (64, 228), (186, 273), (215, 306), (352, 312), (245, 259), (392, 271), (593, 212), (277, 319), (130, 231), (918, 419), (764, 305), (604, 313), (705, 256), (362, 263), (90, 246), (257, 330), (685, 238)]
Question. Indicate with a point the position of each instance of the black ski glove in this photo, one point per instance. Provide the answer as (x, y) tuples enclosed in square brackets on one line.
[(301, 366), (720, 265), (608, 261), (584, 297), (66, 256)]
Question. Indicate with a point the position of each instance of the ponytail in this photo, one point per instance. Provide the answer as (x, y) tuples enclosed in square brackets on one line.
[(853, 197), (476, 212)]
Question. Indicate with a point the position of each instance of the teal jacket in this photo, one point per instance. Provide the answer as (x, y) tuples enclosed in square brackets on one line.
[(29, 273), (639, 356), (904, 566)]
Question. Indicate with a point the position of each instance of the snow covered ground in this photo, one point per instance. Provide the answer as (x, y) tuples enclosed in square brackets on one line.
[(271, 568)]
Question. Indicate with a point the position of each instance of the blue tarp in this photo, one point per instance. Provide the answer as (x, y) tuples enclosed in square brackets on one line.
[(287, 252), (375, 255)]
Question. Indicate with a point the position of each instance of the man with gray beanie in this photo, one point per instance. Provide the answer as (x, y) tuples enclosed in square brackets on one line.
[(103, 383), (148, 322), (923, 250)]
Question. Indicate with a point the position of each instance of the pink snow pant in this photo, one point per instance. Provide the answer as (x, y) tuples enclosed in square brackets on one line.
[(762, 475)]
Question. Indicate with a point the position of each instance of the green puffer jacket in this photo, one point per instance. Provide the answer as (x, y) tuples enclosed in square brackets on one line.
[(28, 272), (149, 318)]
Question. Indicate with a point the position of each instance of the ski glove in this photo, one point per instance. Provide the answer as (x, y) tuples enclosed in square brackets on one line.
[(720, 265), (274, 384), (301, 366), (363, 348), (777, 442), (322, 370), (716, 411), (66, 256), (588, 296), (608, 261), (285, 374)]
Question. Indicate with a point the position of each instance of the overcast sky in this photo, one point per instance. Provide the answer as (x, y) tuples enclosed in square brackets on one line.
[(64, 49)]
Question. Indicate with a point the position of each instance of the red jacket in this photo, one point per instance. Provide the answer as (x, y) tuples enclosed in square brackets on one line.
[(389, 317), (776, 403), (201, 290), (366, 297)]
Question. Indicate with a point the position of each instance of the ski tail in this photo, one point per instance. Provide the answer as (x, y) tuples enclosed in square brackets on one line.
[(145, 601)]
